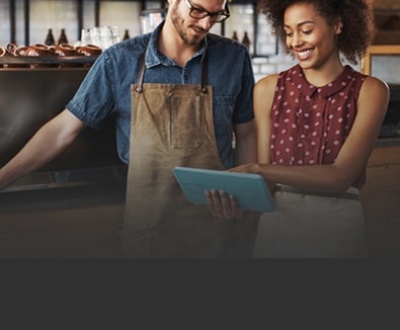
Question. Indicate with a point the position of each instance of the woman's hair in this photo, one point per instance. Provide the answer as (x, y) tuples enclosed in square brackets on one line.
[(356, 16)]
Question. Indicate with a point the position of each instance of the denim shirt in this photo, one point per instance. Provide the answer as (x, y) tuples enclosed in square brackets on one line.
[(106, 89)]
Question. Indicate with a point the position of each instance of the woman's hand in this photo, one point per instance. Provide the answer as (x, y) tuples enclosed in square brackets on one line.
[(246, 168), (255, 168), (222, 206)]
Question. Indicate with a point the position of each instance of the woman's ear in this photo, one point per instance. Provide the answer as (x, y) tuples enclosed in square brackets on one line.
[(338, 26)]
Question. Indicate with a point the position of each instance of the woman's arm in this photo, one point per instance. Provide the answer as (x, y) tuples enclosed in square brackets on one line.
[(352, 158), (245, 143), (263, 96)]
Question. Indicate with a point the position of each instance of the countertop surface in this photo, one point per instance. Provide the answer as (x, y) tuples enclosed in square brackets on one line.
[(83, 221)]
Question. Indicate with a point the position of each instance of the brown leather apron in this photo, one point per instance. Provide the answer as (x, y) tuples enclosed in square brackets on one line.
[(172, 125)]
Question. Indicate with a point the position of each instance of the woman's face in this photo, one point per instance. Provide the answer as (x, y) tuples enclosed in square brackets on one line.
[(309, 36)]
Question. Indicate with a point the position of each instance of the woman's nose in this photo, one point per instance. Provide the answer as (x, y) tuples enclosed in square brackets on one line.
[(296, 40)]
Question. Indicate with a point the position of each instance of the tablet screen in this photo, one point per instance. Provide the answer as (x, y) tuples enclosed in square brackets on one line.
[(250, 190)]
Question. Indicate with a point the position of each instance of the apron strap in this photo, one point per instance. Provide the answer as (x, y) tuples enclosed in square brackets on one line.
[(204, 71), (139, 85)]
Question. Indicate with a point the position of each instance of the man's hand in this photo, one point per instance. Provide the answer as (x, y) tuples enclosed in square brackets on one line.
[(222, 206)]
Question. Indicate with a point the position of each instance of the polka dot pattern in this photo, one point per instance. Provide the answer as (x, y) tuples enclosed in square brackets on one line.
[(310, 123)]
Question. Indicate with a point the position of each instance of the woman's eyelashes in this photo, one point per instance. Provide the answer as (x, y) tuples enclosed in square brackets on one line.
[(305, 32)]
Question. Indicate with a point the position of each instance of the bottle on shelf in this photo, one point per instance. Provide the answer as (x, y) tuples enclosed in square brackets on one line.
[(235, 36), (63, 38), (126, 35), (246, 40), (50, 41)]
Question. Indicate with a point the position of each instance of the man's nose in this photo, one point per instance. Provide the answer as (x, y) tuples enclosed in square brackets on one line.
[(206, 23)]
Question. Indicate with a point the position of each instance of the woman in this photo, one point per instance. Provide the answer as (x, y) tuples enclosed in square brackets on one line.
[(317, 124)]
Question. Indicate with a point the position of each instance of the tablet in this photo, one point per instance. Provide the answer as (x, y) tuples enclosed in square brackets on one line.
[(250, 190)]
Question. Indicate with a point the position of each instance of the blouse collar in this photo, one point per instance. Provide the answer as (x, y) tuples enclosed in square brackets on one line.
[(297, 78)]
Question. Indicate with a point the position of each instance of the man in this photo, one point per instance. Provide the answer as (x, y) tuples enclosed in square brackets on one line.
[(187, 92)]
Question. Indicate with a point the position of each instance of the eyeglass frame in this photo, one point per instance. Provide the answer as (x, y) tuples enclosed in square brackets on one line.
[(225, 12)]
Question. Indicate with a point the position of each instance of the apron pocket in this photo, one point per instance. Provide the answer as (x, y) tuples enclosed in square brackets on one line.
[(186, 130)]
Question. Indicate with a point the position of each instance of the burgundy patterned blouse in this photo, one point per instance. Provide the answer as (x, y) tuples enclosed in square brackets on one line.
[(310, 124)]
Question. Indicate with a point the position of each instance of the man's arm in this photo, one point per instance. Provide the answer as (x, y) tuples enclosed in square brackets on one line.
[(246, 145), (221, 205), (47, 143)]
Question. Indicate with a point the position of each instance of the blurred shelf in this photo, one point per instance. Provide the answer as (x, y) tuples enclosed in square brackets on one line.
[(44, 180), (47, 60)]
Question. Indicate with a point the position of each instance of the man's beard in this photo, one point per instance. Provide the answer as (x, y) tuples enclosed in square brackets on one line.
[(179, 24)]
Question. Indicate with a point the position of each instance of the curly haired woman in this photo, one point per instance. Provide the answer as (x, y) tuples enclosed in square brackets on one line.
[(317, 124)]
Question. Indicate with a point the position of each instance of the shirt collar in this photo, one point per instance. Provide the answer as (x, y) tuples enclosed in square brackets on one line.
[(154, 57), (297, 79)]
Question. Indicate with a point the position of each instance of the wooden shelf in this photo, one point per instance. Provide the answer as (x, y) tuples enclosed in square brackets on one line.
[(47, 59), (386, 4), (377, 50), (387, 37)]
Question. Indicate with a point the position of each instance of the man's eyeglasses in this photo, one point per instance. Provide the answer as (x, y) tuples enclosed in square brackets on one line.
[(217, 17)]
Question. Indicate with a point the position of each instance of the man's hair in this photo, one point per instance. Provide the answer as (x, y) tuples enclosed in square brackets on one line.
[(356, 16)]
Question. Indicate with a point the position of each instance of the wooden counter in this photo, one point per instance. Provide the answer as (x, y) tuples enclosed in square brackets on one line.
[(381, 199)]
